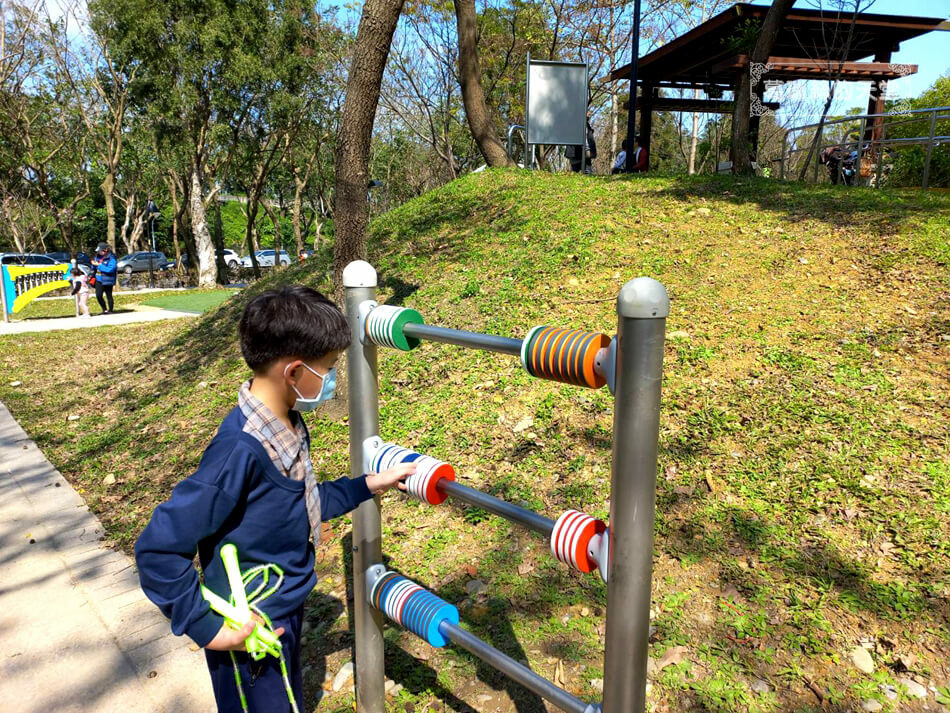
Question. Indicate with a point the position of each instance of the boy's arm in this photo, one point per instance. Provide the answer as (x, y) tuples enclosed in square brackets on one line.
[(165, 551), (338, 497), (344, 494)]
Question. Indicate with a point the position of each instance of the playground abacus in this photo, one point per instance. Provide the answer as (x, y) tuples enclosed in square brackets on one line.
[(630, 365)]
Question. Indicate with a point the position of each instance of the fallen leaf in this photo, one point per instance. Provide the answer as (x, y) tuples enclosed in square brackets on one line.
[(908, 661), (673, 656), (523, 568), (559, 673)]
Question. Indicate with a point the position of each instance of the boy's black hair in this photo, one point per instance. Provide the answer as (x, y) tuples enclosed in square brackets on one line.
[(75, 271), (293, 321)]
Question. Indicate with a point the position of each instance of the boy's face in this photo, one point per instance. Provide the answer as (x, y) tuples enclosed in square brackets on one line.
[(308, 384)]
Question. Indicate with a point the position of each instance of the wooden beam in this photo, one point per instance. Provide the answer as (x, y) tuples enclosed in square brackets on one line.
[(783, 67), (700, 106)]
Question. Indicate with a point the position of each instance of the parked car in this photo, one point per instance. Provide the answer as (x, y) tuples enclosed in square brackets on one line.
[(265, 258), (142, 261), (231, 259), (82, 260), (29, 259)]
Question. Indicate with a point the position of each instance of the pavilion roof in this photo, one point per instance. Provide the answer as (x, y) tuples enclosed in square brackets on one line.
[(810, 44)]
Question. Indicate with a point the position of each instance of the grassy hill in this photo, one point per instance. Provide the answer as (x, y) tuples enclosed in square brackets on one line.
[(803, 506)]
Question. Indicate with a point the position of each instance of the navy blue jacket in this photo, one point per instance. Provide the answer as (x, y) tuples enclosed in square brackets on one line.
[(106, 270), (236, 496)]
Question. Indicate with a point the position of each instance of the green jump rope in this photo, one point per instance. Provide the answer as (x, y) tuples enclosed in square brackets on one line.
[(237, 612)]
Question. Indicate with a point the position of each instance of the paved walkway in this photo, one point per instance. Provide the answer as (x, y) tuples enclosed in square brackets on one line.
[(140, 313), (77, 635)]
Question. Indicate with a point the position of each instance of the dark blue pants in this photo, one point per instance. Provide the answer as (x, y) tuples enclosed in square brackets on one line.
[(262, 680)]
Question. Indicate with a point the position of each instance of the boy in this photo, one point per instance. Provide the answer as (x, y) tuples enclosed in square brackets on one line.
[(255, 488)]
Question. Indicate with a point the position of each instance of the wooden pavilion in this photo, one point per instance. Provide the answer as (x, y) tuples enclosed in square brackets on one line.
[(810, 45)]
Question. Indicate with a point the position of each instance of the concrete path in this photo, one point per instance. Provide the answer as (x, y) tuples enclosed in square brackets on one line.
[(141, 313), (77, 635)]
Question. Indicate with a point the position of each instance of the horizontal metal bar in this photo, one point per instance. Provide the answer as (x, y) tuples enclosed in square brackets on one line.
[(517, 514), (514, 670), (868, 116), (476, 340), (881, 142)]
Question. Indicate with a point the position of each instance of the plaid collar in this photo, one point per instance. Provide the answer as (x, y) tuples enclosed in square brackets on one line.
[(266, 427)]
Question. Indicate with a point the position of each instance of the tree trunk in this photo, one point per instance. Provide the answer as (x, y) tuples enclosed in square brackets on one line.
[(275, 216), (473, 96), (295, 213), (741, 161), (108, 188), (221, 268), (64, 222), (693, 139), (373, 40), (207, 273), (182, 217), (136, 238), (175, 236), (127, 223), (249, 236)]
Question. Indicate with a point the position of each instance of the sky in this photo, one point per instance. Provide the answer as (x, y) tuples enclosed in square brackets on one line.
[(930, 52)]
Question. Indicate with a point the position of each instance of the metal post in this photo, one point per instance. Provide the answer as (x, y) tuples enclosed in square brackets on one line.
[(930, 146), (642, 308), (359, 283), (3, 295), (151, 255)]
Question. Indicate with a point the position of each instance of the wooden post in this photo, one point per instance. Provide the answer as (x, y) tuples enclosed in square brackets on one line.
[(646, 118), (754, 120), (876, 105)]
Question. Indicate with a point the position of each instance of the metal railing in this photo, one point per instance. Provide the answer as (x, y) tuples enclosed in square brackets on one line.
[(527, 161), (873, 150)]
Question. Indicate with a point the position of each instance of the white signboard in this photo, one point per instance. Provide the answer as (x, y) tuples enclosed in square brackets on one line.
[(557, 103)]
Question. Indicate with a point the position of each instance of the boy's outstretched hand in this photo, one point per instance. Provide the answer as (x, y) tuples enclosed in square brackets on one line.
[(381, 482), (228, 639)]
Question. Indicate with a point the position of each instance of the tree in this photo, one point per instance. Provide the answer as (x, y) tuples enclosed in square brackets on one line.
[(204, 72), (741, 159), (99, 89), (479, 118), (370, 52)]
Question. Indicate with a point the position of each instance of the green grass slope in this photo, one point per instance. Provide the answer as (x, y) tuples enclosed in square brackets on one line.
[(803, 505)]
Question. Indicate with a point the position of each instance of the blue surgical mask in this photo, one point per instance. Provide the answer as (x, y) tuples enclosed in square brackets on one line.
[(326, 391)]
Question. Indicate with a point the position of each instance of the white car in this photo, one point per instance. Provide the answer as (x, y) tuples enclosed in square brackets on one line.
[(265, 258), (231, 258), (29, 259)]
